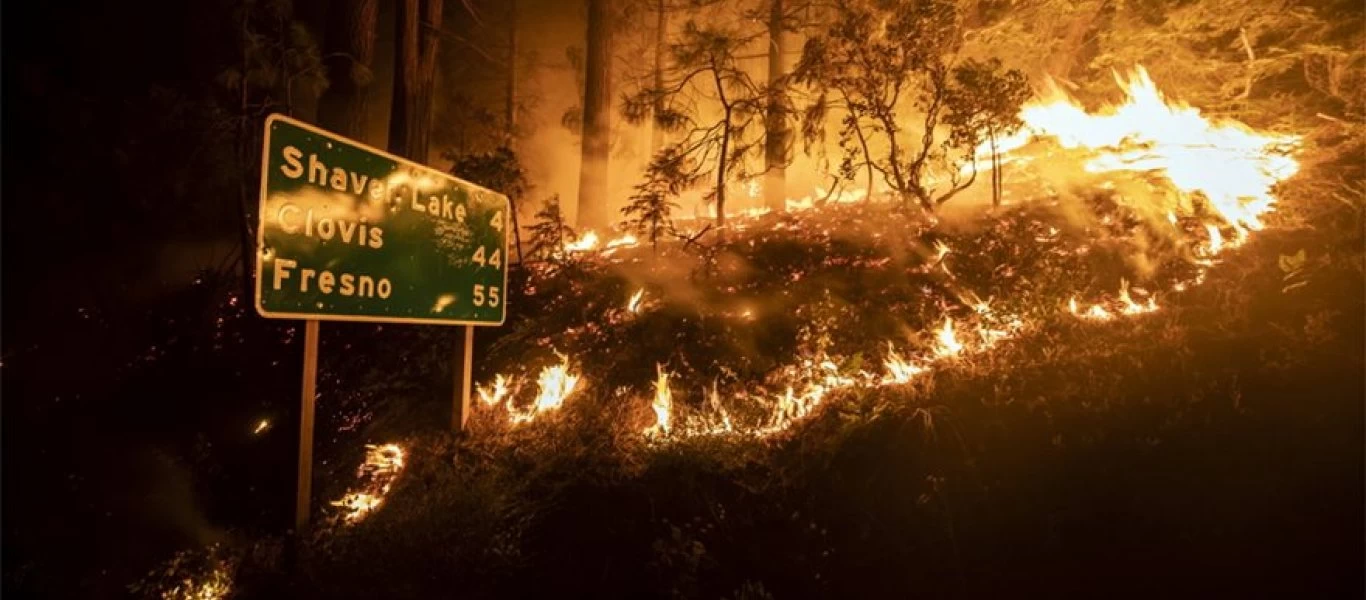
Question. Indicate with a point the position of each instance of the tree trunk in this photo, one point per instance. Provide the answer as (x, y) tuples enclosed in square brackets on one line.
[(512, 117), (349, 44), (248, 173), (661, 36), (863, 143), (775, 122), (995, 172), (593, 202), (415, 45), (721, 171), (512, 71)]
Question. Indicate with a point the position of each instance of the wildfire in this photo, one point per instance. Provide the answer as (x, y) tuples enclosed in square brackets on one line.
[(215, 585), (940, 251), (633, 304), (799, 204), (715, 406), (1216, 240), (627, 240), (381, 468), (588, 242), (947, 343), (1131, 307), (1095, 313), (662, 404), (494, 395), (791, 406), (555, 384), (899, 370)]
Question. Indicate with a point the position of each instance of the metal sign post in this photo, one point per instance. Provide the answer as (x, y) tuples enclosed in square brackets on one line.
[(306, 425), (462, 367), (352, 233)]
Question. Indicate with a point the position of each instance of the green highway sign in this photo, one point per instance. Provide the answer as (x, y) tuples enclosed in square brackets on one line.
[(351, 233)]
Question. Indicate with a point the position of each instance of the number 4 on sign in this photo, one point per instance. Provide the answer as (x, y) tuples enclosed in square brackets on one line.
[(497, 222), (495, 260)]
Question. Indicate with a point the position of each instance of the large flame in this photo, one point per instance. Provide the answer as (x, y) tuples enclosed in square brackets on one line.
[(1232, 166)]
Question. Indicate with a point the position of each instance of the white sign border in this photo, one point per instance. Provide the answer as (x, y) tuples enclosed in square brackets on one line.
[(261, 232)]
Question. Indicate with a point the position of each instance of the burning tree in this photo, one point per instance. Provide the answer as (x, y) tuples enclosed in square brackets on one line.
[(704, 67), (882, 60)]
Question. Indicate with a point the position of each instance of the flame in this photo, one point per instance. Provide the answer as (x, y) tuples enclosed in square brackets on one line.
[(555, 384), (494, 395), (1098, 312), (1095, 313), (940, 251), (356, 505), (381, 468), (662, 404), (791, 406), (947, 342), (634, 304), (1131, 307), (899, 370), (624, 240), (1216, 240), (588, 242), (798, 205), (1231, 165), (217, 584), (714, 404)]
